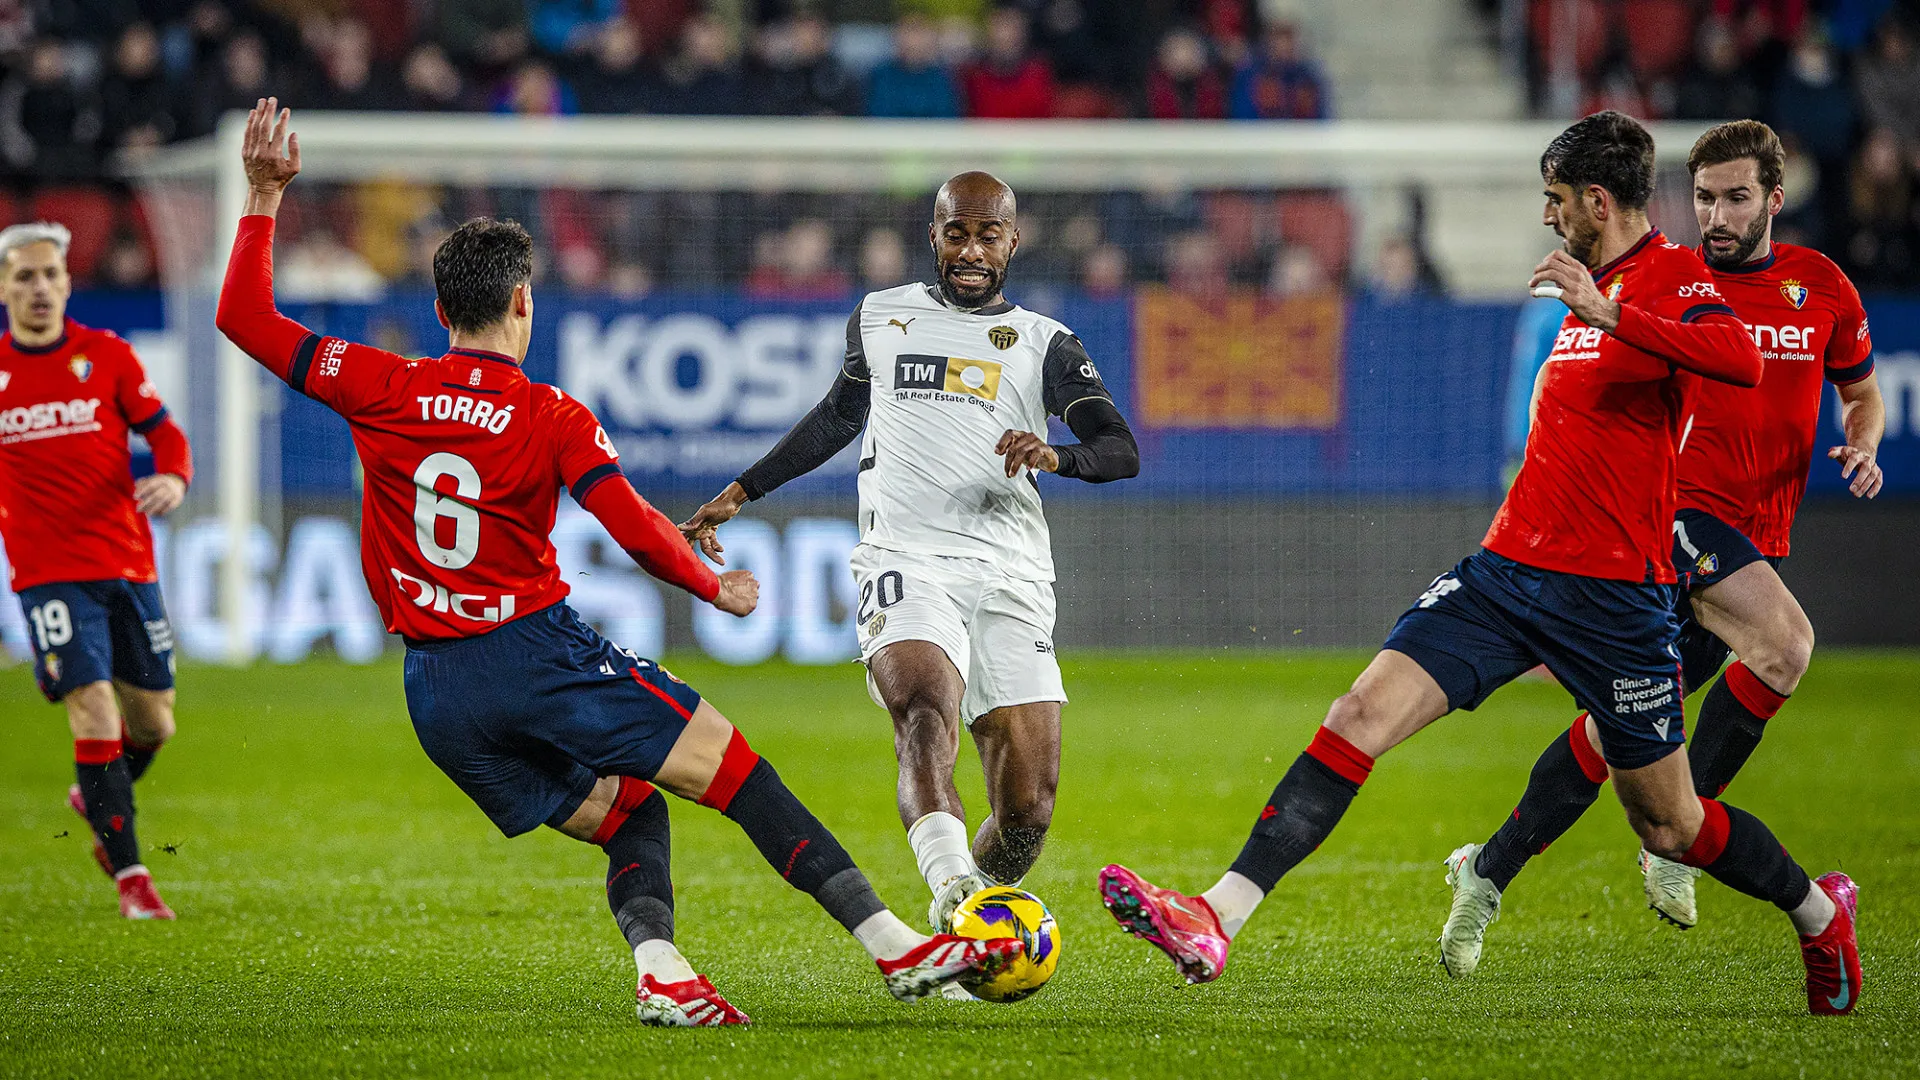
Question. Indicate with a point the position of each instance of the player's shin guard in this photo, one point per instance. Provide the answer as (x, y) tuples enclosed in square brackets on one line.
[(639, 849), (1565, 781), (1732, 719), (790, 838), (107, 790), (1741, 853), (1308, 802), (139, 757)]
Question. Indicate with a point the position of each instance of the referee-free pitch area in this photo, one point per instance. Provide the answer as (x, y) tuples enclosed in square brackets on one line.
[(344, 910)]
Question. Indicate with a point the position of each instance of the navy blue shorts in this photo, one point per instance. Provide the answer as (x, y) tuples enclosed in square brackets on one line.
[(524, 718), (91, 631), (1609, 642), (1706, 551)]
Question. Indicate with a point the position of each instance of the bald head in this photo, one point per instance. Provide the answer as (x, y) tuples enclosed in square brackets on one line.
[(973, 237), (974, 195)]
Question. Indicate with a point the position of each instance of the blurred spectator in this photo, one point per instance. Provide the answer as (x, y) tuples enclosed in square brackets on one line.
[(1103, 273), (1009, 82), (318, 267), (1884, 248), (489, 33), (430, 82), (1400, 272), (534, 90), (1889, 81), (914, 83), (959, 41), (1618, 90), (883, 260), (47, 126), (1282, 82), (126, 264), (563, 27), (797, 264), (581, 266), (1810, 101), (241, 80), (629, 280), (1063, 34), (1195, 265), (1183, 83), (138, 108), (797, 73), (1717, 87), (613, 81), (348, 78), (1296, 271), (16, 26), (702, 78)]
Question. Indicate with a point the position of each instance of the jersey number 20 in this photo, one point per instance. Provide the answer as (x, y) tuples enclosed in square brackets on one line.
[(429, 506)]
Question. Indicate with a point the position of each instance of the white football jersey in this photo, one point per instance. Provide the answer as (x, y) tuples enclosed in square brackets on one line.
[(946, 384)]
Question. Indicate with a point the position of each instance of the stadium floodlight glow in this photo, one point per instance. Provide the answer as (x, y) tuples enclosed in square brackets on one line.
[(1479, 180)]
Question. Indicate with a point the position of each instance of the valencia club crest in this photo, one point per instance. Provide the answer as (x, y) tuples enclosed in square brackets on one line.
[(1795, 293)]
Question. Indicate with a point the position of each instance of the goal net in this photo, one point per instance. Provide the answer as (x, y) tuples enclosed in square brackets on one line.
[(1310, 328)]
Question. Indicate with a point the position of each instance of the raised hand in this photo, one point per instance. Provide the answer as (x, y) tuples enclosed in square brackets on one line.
[(700, 528), (270, 154)]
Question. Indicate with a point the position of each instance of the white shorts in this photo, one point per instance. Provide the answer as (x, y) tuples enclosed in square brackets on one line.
[(997, 630)]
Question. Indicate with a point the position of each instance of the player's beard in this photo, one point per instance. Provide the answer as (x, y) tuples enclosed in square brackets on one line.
[(971, 298), (1580, 238), (1742, 252)]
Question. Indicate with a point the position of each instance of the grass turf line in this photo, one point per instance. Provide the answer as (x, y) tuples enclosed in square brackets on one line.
[(345, 911)]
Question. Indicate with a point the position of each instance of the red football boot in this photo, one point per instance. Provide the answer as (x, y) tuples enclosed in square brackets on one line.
[(137, 898), (99, 850), (688, 1003), (1184, 927), (944, 958), (1833, 956)]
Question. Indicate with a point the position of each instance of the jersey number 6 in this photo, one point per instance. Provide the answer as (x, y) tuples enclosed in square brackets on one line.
[(429, 506)]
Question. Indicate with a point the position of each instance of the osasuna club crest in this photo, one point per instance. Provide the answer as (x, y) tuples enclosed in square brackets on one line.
[(80, 366), (1795, 292), (1613, 290)]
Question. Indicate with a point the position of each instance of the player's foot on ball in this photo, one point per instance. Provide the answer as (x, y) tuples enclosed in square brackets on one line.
[(138, 900), (1669, 888), (1476, 903), (688, 1003), (1184, 927), (947, 898), (942, 959), (1833, 955), (79, 805)]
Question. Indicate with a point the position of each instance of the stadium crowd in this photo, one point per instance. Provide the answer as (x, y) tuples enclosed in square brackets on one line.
[(92, 85)]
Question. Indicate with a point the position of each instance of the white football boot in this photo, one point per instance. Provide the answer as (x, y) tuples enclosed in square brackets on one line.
[(948, 897), (1669, 888), (1476, 902)]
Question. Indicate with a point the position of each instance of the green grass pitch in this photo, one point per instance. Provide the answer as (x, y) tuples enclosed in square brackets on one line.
[(345, 911)]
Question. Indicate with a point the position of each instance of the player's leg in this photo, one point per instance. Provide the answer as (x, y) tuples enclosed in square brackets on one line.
[(148, 716), (1737, 849), (142, 670), (1751, 610), (1019, 749)]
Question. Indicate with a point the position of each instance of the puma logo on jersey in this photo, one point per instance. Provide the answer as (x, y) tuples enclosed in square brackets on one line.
[(898, 323)]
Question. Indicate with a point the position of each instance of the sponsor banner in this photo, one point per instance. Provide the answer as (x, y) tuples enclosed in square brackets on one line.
[(1240, 361), (309, 592)]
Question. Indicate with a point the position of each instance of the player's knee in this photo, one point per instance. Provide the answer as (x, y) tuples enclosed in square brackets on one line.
[(92, 712), (923, 728), (1028, 809), (1357, 716), (149, 716), (1669, 840)]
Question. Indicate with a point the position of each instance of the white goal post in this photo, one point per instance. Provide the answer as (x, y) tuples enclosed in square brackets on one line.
[(1479, 185)]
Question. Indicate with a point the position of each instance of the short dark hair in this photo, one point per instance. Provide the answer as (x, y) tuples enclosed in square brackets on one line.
[(1738, 139), (1609, 149), (476, 268)]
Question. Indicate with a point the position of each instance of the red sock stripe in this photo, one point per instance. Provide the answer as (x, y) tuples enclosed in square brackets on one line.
[(1592, 765), (632, 793), (95, 751), (738, 761), (1760, 699), (1712, 840), (661, 694), (1341, 756)]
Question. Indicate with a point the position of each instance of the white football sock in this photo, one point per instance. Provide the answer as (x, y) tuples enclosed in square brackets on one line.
[(939, 843), (885, 937), (1815, 913), (661, 960), (1233, 899)]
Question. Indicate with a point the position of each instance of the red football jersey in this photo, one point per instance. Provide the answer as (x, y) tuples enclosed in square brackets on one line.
[(1595, 494), (1747, 457), (464, 460), (66, 485)]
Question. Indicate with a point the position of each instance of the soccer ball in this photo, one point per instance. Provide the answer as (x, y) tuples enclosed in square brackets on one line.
[(1002, 912)]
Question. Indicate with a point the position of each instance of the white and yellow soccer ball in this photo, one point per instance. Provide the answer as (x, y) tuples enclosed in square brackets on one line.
[(1005, 912)]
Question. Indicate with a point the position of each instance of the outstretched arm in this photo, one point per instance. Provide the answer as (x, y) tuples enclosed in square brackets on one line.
[(247, 315), (644, 533)]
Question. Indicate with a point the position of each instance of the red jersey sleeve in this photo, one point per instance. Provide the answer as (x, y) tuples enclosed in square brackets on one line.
[(1686, 322), (1850, 351), (147, 415), (344, 376)]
